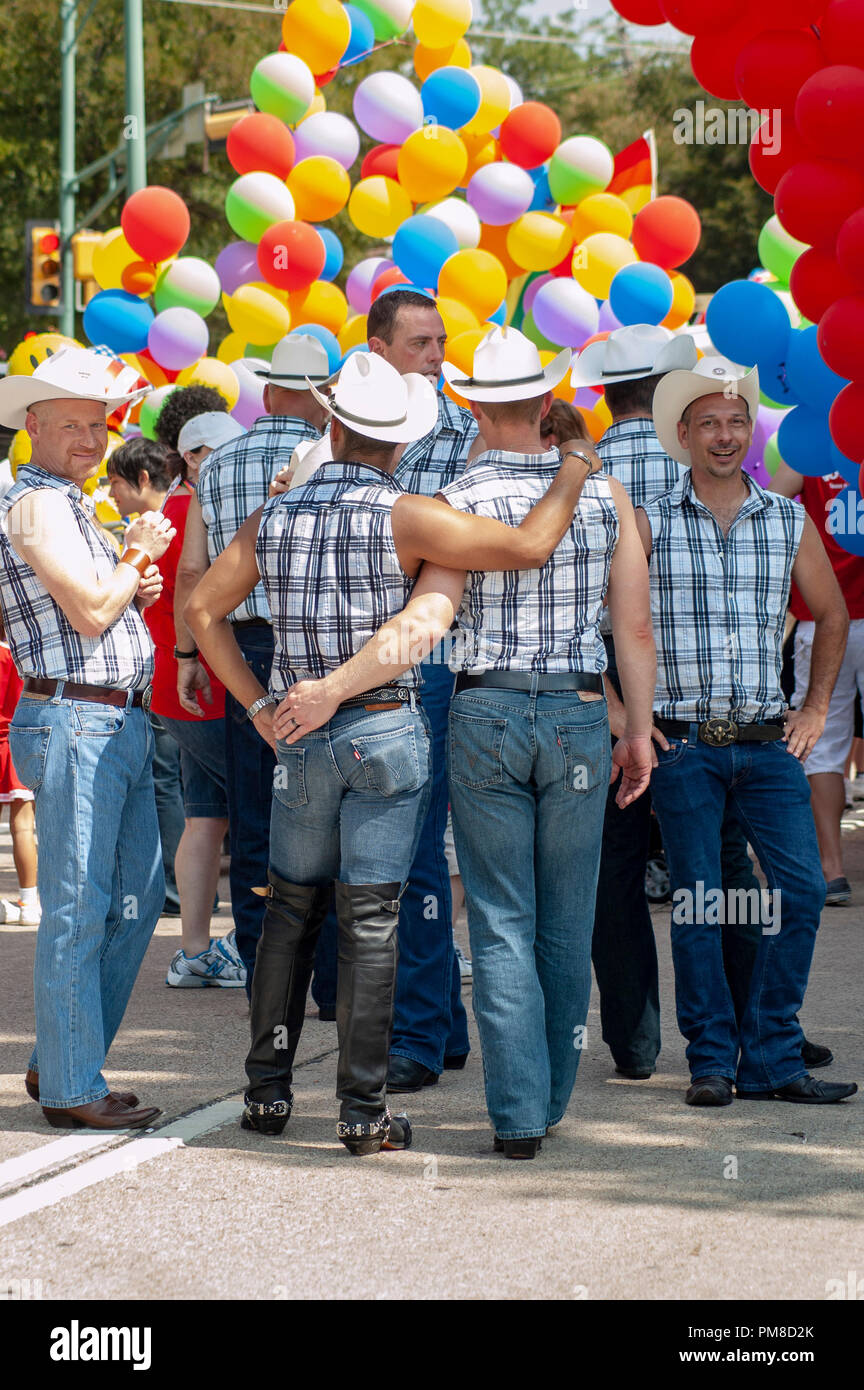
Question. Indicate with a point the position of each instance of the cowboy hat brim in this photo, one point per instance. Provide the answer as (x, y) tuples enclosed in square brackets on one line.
[(677, 390), (421, 413), (523, 389), (678, 353), (19, 393)]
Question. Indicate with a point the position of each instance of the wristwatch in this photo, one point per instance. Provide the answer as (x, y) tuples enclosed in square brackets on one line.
[(259, 705)]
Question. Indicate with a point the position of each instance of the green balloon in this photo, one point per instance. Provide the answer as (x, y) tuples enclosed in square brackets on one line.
[(531, 331), (772, 457), (151, 407), (778, 251), (254, 350)]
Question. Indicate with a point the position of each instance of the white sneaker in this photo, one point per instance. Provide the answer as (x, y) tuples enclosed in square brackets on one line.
[(466, 970), (219, 966), (29, 915)]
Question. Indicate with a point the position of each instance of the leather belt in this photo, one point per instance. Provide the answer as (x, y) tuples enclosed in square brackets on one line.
[(719, 733), (382, 698), (97, 694), (547, 683)]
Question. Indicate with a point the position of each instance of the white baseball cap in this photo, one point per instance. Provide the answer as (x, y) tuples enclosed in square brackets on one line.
[(214, 427)]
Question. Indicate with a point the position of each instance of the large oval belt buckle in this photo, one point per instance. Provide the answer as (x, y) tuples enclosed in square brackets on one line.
[(147, 697), (719, 733)]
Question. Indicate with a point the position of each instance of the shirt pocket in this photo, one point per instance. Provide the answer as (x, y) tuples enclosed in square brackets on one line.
[(475, 750), (391, 761)]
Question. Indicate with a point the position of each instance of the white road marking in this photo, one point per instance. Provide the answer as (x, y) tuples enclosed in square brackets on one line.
[(120, 1160), (17, 1170)]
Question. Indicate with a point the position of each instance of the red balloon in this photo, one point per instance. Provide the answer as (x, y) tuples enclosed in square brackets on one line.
[(768, 163), (640, 11), (773, 66), (261, 143), (381, 159), (829, 112), (845, 419), (667, 231), (291, 255), (850, 246), (713, 56), (786, 14), (530, 134), (841, 337), (155, 222), (393, 276), (695, 17), (843, 32), (815, 197), (323, 78), (816, 281)]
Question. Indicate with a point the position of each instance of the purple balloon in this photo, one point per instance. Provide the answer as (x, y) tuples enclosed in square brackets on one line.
[(585, 397), (358, 287), (767, 422), (237, 265), (250, 402), (608, 321), (531, 290)]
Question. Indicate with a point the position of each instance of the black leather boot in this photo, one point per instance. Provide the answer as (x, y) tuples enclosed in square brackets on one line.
[(365, 991), (283, 969)]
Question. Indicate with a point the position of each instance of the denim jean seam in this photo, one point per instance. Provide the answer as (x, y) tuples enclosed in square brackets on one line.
[(332, 757)]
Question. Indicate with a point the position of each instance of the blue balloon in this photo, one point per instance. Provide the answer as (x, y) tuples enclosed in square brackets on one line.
[(500, 315), (748, 324), (421, 246), (774, 383), (335, 254), (325, 338), (641, 293), (118, 320), (361, 347), (845, 520), (804, 441), (451, 97), (362, 39), (812, 381), (542, 199), (846, 467)]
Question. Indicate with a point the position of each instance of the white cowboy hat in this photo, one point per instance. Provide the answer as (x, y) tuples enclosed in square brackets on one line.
[(213, 428), (70, 373), (507, 368), (633, 352), (297, 359), (677, 390), (372, 399)]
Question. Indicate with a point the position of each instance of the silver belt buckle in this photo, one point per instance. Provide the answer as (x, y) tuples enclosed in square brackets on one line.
[(147, 697), (719, 733)]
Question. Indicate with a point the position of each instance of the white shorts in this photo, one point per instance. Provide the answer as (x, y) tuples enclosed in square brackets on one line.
[(832, 749)]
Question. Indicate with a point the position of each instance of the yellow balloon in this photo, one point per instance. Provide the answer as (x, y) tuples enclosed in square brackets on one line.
[(211, 372), (30, 352), (683, 301), (597, 260), (563, 391), (353, 334), (106, 512), (110, 258), (636, 197), (429, 60), (475, 278), (601, 212), (481, 149), (458, 318), (257, 316), (439, 23), (322, 303), (432, 162), (537, 241), (319, 186), (232, 346), (20, 450), (494, 100), (318, 31), (378, 206), (460, 351), (316, 106)]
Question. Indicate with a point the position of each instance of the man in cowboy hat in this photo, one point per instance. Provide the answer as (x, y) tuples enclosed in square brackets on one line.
[(233, 483), (722, 553), (338, 558), (80, 737), (529, 740)]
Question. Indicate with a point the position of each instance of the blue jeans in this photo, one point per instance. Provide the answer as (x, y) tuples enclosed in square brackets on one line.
[(528, 776), (348, 799), (766, 789), (202, 759), (429, 1019), (100, 880), (169, 804)]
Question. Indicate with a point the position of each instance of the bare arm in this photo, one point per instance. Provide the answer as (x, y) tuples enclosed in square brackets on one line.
[(635, 653), (786, 481), (43, 532), (819, 589), (193, 565), (402, 642)]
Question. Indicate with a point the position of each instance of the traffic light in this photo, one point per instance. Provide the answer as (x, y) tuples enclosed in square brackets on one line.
[(43, 254)]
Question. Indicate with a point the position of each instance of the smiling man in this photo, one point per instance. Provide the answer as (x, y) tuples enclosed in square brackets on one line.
[(722, 554)]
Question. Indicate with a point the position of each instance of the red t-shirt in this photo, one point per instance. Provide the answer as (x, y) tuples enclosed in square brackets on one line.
[(159, 618), (817, 495)]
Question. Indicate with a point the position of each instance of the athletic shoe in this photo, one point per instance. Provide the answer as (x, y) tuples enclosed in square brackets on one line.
[(23, 914), (839, 892), (466, 970), (219, 965)]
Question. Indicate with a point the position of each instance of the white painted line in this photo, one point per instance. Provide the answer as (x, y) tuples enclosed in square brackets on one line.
[(120, 1160), (49, 1155)]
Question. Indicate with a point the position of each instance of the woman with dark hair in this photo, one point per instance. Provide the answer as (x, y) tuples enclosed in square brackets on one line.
[(564, 421)]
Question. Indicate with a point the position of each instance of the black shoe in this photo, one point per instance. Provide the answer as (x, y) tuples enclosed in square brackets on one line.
[(806, 1091), (634, 1073), (405, 1074), (710, 1090), (813, 1055), (267, 1117), (389, 1132), (325, 1014), (517, 1148), (456, 1063)]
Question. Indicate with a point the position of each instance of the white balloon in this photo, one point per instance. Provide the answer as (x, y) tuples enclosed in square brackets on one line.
[(460, 218), (388, 107), (326, 132)]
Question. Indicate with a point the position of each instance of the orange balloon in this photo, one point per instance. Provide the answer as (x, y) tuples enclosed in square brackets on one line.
[(429, 60), (139, 277), (494, 239), (481, 149), (683, 301)]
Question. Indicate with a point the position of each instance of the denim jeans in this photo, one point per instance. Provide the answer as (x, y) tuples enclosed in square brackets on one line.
[(694, 786), (100, 880), (169, 804), (348, 798), (528, 776), (429, 1021), (202, 759)]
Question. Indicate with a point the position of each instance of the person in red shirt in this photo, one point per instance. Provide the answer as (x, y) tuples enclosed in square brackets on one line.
[(19, 799), (828, 756)]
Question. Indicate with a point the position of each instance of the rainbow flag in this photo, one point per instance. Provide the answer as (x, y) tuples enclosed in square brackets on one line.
[(635, 175)]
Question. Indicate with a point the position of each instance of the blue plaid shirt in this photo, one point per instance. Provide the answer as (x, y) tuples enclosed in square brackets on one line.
[(41, 638), (718, 604), (234, 482), (432, 462)]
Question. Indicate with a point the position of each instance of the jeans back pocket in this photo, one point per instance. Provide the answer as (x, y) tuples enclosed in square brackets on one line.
[(390, 760), (475, 749), (582, 747), (289, 776)]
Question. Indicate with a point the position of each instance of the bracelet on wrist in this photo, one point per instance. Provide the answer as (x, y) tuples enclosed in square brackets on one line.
[(578, 454), (137, 558), (185, 656), (259, 705)]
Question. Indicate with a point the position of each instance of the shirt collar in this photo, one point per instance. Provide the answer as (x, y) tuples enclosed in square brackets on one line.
[(32, 473), (340, 471), (519, 462), (757, 500), (282, 423), (644, 425)]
